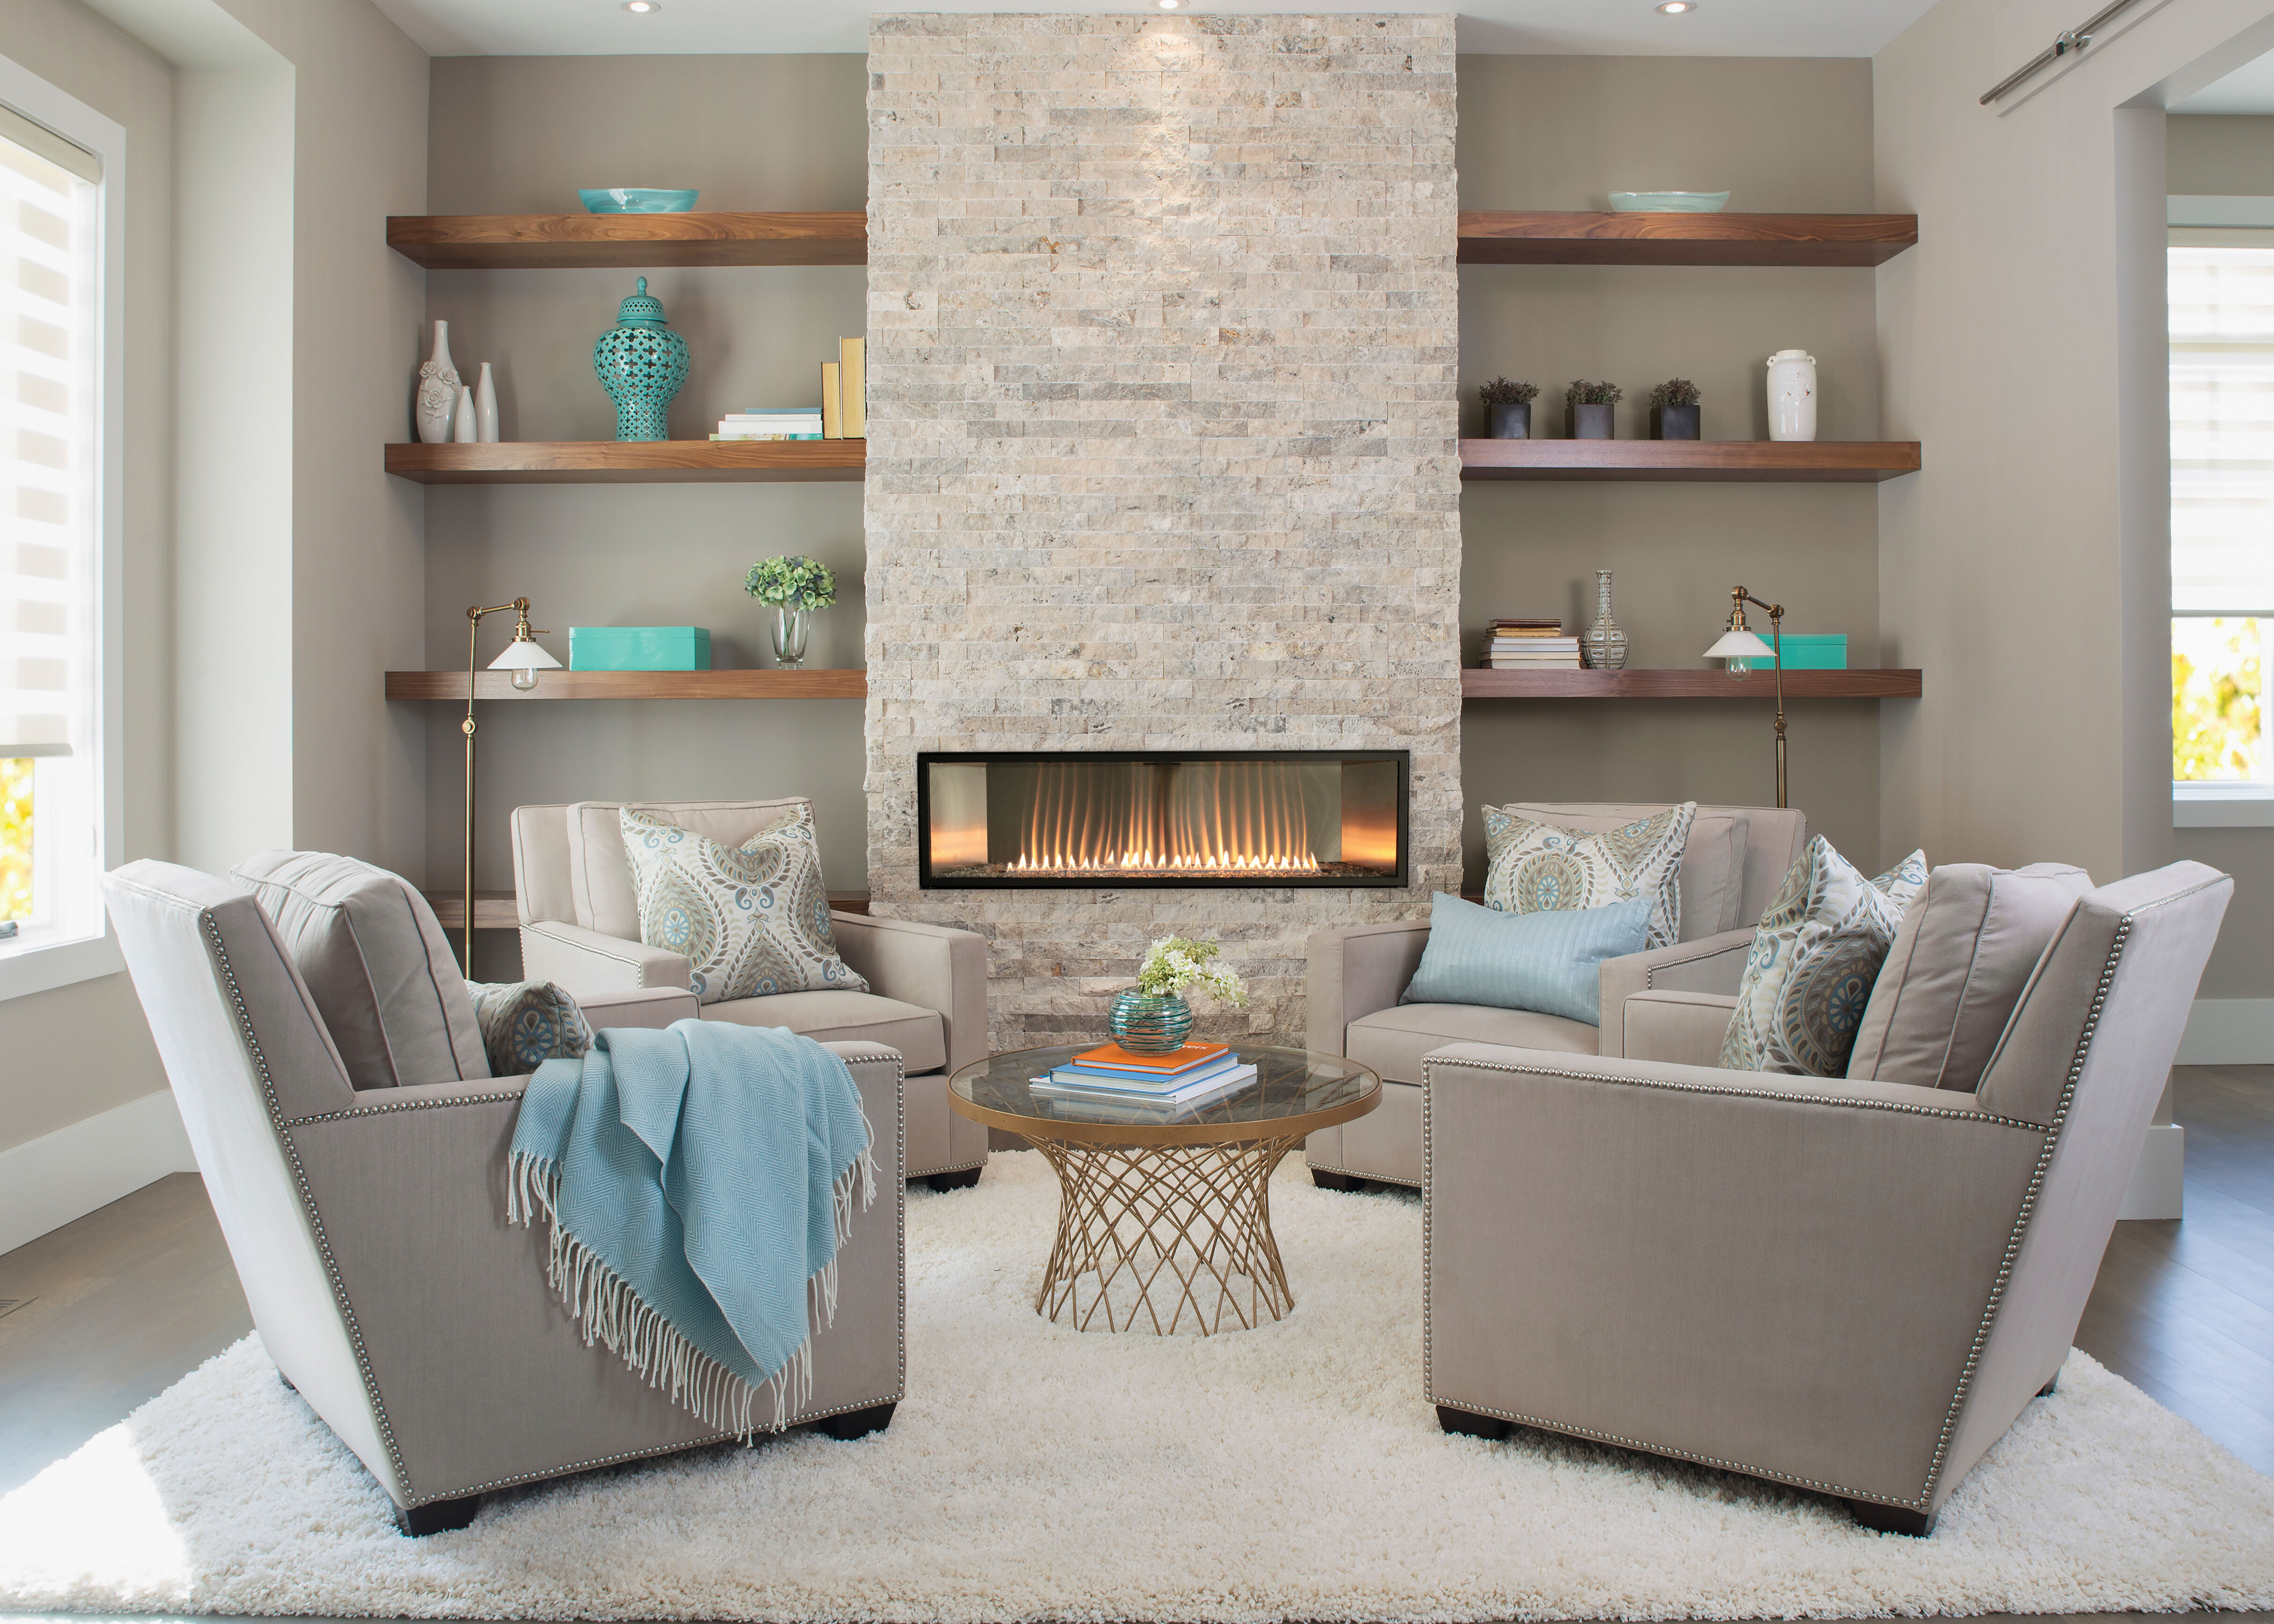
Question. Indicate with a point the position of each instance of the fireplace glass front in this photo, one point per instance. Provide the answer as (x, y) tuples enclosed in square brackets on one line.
[(1162, 819)]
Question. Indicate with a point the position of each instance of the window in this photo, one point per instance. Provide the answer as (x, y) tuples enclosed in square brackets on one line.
[(2222, 361), (58, 534)]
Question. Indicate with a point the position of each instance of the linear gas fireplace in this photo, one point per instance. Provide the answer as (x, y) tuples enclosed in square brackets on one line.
[(1035, 820)]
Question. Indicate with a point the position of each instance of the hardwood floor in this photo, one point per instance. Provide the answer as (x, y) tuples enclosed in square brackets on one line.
[(115, 1307)]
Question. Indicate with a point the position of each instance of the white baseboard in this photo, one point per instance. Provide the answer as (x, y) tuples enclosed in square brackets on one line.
[(2229, 1032), (67, 1174), (2158, 1187)]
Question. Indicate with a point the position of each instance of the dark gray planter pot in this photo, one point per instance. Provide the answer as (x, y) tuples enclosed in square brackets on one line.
[(1591, 422), (1512, 422), (1678, 422)]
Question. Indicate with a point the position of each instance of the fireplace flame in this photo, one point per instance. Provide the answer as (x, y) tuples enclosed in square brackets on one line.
[(1214, 818)]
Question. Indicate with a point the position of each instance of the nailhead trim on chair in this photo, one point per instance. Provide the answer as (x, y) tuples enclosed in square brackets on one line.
[(1683, 1088), (308, 1204), (2037, 1175), (402, 1105)]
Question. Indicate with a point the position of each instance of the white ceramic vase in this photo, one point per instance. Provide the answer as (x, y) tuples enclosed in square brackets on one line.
[(485, 418), (438, 390), (461, 417), (1792, 395)]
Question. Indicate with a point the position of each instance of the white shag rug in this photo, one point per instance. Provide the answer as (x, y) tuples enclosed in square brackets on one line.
[(1293, 1473)]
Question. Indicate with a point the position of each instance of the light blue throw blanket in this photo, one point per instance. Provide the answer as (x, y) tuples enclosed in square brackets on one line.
[(698, 1182)]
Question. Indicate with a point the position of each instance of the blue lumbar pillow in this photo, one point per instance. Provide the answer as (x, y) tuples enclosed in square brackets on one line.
[(1547, 962)]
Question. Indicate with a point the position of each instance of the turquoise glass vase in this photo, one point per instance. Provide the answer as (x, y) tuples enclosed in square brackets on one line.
[(640, 363), (1148, 1026)]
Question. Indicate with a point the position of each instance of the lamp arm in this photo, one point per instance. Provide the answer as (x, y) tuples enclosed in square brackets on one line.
[(1738, 598)]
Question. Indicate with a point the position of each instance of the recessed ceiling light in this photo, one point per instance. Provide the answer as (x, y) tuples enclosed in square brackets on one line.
[(1675, 8), (1169, 5), (643, 7)]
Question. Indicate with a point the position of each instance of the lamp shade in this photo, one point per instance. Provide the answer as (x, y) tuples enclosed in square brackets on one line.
[(1739, 646), (524, 654)]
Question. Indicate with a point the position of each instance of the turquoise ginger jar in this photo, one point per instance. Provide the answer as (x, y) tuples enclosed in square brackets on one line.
[(640, 363)]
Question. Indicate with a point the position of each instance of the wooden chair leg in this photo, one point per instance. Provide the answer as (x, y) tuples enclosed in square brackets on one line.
[(437, 1517), (962, 1180), (1325, 1180), (1893, 1519), (858, 1423), (1471, 1425)]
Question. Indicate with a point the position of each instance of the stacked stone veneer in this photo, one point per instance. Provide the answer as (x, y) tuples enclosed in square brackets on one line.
[(1162, 444)]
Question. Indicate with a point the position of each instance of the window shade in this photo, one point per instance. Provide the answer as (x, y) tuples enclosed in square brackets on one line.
[(2221, 339), (47, 455), (46, 144)]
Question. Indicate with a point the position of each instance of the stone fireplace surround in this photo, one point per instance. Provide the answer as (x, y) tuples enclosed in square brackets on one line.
[(1162, 447)]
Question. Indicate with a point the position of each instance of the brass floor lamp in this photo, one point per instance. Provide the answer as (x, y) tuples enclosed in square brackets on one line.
[(1741, 647), (524, 658)]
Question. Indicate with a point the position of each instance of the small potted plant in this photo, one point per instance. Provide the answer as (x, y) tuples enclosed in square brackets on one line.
[(1508, 408), (793, 588), (1152, 1018), (1592, 401), (1675, 402)]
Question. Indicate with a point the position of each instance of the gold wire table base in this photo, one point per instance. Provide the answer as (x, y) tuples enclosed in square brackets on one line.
[(1173, 1236)]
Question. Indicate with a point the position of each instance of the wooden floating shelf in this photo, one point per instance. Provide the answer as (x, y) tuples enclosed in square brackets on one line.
[(628, 462), (1704, 683), (496, 910), (634, 685), (1755, 461), (568, 241), (1496, 237)]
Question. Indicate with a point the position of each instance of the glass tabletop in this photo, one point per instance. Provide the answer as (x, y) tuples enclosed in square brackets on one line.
[(1290, 1089)]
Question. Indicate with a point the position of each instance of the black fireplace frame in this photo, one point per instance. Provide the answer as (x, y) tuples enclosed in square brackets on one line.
[(1402, 759)]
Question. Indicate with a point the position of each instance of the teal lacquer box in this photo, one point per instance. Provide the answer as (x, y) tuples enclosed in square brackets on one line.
[(1810, 651), (639, 647)]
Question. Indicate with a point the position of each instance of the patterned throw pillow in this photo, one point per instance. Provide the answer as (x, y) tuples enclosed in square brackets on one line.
[(1533, 867), (1815, 957), (525, 1024), (751, 920)]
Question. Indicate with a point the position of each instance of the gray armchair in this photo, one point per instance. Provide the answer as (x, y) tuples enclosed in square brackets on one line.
[(928, 984), (1736, 858), (369, 1227), (1852, 1287)]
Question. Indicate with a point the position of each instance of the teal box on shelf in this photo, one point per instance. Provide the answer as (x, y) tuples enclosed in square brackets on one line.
[(1811, 651), (639, 647)]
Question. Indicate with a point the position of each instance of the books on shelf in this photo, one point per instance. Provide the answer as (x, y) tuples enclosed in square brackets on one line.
[(771, 423), (845, 392), (1530, 645)]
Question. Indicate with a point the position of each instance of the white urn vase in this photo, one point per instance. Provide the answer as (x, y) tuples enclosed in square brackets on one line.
[(463, 431), (485, 412), (438, 391), (1792, 395)]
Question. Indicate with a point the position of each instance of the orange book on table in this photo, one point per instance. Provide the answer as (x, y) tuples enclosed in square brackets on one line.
[(1165, 1065)]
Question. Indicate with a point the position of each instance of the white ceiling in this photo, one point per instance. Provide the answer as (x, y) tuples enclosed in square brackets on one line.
[(2249, 89), (1614, 28)]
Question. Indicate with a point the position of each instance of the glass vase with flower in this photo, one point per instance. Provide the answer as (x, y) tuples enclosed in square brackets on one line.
[(1152, 1018), (793, 587)]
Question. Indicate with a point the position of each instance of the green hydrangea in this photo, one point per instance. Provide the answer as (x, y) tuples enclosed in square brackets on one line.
[(795, 583), (1173, 964)]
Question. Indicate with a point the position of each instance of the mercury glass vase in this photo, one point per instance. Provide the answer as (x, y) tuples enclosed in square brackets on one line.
[(788, 633), (640, 363), (1605, 645), (1144, 1025)]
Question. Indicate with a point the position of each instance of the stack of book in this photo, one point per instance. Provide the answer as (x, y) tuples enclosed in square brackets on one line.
[(845, 392), (1530, 645), (771, 423), (1120, 1084)]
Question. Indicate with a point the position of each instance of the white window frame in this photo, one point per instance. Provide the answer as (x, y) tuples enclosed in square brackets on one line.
[(37, 964)]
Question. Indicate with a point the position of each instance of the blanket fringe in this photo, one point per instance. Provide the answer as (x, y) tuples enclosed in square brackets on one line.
[(611, 1314)]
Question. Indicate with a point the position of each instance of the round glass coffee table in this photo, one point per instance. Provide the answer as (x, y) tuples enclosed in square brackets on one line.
[(1164, 1219)]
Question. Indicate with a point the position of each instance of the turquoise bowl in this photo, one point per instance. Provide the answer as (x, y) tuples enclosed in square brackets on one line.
[(1668, 202), (1147, 1025), (636, 201)]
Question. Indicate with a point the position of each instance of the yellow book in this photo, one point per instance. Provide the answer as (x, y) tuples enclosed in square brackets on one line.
[(832, 411), (853, 380)]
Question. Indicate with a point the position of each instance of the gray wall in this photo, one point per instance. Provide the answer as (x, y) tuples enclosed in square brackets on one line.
[(77, 1051), (2027, 570), (1560, 132), (2229, 156), (521, 134), (2222, 156)]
